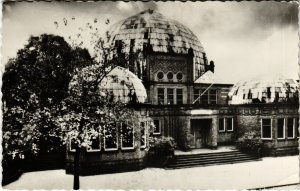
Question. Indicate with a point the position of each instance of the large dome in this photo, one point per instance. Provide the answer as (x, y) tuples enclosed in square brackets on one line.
[(264, 91), (164, 35)]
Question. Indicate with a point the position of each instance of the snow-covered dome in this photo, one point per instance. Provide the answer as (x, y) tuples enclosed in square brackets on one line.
[(124, 86), (264, 91), (151, 29)]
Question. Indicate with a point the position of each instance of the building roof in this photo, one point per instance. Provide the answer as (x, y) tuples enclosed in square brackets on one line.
[(123, 84), (264, 91), (163, 34), (209, 78)]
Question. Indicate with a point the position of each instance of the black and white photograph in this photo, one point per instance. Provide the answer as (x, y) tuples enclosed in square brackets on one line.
[(150, 95)]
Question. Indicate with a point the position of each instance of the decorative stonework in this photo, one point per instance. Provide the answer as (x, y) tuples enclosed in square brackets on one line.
[(166, 64)]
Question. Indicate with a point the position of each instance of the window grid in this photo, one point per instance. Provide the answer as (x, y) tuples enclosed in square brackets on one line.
[(297, 127), (209, 97), (127, 132), (266, 129), (179, 96), (222, 125), (160, 96), (112, 137), (204, 97), (170, 96), (212, 96), (290, 128), (143, 134), (197, 93), (95, 144), (157, 129), (72, 146), (229, 124), (281, 128)]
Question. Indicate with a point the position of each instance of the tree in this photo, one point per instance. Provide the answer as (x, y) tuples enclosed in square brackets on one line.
[(89, 111), (45, 67), (52, 94), (34, 84)]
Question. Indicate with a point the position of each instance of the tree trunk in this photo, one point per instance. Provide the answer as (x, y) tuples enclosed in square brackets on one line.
[(76, 169)]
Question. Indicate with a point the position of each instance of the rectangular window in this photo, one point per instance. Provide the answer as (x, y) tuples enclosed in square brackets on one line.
[(127, 141), (110, 137), (94, 146), (290, 128), (229, 124), (95, 143), (213, 96), (160, 95), (157, 128), (196, 96), (221, 125), (170, 96), (280, 129), (204, 98), (72, 145), (143, 135), (297, 126), (179, 96), (266, 129)]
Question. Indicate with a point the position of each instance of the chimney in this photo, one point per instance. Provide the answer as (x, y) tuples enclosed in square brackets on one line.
[(206, 67), (211, 66)]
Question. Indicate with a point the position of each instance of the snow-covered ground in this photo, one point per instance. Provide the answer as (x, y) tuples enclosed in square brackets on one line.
[(257, 174), (206, 150)]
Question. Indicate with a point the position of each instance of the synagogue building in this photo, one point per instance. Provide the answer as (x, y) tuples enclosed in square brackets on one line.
[(170, 81)]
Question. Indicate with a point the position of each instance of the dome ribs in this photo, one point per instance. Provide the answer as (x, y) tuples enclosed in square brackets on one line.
[(163, 34), (265, 91)]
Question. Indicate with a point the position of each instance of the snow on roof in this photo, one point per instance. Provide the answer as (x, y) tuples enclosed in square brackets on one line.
[(209, 78), (267, 90), (163, 34), (124, 85)]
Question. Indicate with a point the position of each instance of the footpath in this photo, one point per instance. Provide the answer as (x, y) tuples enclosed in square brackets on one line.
[(267, 173)]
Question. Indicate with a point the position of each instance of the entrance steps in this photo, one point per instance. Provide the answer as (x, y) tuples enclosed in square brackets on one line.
[(213, 158)]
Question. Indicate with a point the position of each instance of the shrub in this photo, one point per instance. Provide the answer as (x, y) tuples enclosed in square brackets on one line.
[(161, 150), (251, 143), (162, 146)]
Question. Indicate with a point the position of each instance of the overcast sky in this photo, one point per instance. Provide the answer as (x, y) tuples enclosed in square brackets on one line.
[(246, 40)]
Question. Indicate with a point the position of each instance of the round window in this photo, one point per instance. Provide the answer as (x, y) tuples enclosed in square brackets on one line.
[(179, 76), (170, 75), (160, 75)]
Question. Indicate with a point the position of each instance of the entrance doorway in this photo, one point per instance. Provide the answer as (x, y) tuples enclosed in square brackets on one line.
[(200, 129)]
